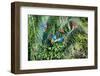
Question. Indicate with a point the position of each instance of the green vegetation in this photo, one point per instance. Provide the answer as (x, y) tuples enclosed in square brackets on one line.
[(57, 37)]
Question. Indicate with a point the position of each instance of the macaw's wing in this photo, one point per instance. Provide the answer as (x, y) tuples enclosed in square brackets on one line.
[(54, 37), (60, 39)]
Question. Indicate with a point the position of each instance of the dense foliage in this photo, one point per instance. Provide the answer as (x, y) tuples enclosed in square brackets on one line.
[(57, 37)]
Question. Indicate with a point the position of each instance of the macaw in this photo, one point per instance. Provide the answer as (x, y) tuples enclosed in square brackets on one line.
[(55, 39)]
